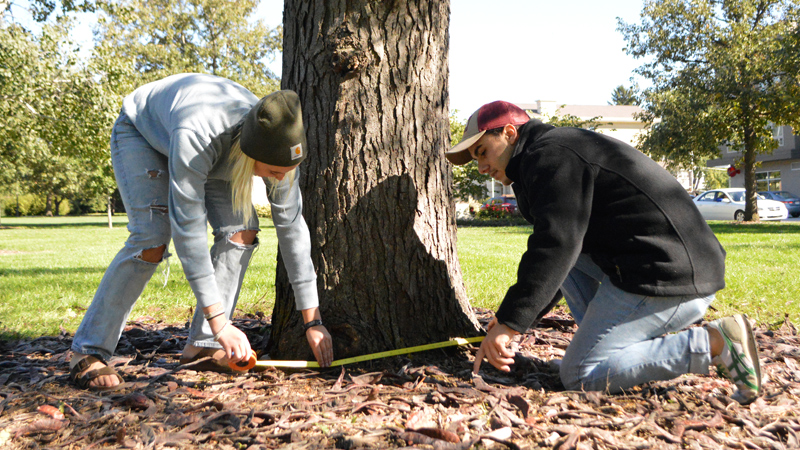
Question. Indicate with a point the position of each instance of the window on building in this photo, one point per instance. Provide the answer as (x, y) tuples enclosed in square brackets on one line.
[(768, 181), (777, 134)]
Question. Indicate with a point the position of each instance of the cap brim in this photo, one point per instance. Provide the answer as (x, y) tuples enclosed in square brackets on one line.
[(459, 154)]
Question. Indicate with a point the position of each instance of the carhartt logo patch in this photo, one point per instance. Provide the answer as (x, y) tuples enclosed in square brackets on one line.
[(297, 151)]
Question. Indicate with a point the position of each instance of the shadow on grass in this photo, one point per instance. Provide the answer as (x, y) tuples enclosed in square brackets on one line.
[(754, 228), (37, 271), (506, 222), (34, 225)]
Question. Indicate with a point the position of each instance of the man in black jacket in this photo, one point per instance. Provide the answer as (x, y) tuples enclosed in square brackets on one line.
[(618, 236)]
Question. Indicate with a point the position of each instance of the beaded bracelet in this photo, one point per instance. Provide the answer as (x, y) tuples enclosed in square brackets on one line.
[(219, 333)]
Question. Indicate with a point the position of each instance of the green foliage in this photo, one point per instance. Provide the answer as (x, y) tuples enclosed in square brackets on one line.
[(158, 38), (53, 116), (263, 211), (468, 182), (569, 120), (30, 205), (721, 71), (56, 110), (715, 179), (623, 96)]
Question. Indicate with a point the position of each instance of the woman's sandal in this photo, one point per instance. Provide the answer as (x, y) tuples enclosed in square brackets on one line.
[(208, 365), (82, 377)]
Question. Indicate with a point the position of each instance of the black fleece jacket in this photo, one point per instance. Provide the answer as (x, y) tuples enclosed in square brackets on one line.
[(585, 192)]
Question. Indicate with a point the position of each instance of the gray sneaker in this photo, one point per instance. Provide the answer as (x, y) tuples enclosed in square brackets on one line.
[(739, 358)]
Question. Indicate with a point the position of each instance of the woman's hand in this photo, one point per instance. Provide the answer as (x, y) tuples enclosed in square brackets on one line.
[(318, 337), (321, 344), (237, 347)]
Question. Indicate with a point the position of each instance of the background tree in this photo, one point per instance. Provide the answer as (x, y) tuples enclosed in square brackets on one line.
[(48, 112), (372, 78), (165, 37), (568, 120), (721, 71), (623, 96), (468, 182)]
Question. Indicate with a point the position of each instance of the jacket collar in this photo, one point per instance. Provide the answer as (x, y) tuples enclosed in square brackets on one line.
[(528, 134)]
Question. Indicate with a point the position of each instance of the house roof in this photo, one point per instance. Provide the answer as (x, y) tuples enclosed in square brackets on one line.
[(618, 113)]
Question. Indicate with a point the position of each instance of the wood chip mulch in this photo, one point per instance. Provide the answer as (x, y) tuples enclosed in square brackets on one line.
[(426, 400)]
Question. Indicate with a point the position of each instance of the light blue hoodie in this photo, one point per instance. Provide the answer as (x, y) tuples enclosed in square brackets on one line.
[(189, 119)]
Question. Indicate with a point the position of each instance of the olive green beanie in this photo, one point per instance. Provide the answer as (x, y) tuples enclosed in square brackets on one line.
[(272, 131)]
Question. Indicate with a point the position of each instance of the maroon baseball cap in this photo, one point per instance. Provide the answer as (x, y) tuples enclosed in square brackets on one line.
[(488, 117)]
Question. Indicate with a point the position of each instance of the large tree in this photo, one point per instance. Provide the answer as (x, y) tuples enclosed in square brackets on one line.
[(721, 72), (372, 78)]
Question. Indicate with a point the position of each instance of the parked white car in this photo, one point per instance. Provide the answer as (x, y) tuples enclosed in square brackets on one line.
[(728, 204)]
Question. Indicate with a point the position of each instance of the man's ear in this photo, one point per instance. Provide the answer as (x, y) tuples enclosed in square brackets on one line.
[(510, 132)]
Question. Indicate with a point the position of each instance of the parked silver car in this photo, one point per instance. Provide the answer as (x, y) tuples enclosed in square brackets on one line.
[(728, 204), (791, 201)]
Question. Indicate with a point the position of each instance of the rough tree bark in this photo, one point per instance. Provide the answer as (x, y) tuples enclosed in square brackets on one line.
[(372, 78)]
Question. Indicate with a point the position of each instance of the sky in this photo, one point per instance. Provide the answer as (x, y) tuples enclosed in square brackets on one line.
[(521, 51)]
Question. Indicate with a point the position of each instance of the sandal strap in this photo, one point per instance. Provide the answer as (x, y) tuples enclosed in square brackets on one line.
[(83, 379), (87, 361)]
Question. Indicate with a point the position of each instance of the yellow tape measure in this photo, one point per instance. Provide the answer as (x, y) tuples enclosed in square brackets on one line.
[(253, 361)]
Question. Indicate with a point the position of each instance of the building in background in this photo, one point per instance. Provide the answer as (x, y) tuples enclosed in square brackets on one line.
[(778, 171)]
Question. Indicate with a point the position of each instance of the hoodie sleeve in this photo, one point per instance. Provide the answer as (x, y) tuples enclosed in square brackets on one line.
[(558, 185), (294, 241), (190, 161)]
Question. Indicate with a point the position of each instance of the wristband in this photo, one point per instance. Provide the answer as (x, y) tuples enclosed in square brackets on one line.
[(219, 333), (313, 323), (212, 315)]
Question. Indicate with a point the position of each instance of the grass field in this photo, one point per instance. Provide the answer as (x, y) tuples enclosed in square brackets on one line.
[(50, 268)]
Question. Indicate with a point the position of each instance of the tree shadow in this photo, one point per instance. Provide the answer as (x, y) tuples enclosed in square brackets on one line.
[(389, 292), (754, 228)]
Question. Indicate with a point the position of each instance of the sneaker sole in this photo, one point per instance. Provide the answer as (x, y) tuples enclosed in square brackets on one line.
[(750, 346)]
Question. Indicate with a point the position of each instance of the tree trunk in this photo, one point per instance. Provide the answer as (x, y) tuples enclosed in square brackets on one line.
[(48, 205), (750, 205), (108, 209), (372, 78)]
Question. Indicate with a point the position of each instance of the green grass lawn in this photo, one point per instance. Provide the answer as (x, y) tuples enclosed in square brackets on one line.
[(50, 268)]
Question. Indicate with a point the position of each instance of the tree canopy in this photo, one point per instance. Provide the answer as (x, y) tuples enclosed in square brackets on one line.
[(57, 107), (721, 71), (165, 37), (623, 96)]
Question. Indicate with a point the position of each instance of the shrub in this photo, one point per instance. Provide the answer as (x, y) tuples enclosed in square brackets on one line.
[(263, 211)]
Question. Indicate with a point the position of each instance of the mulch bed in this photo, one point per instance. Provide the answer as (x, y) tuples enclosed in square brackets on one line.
[(424, 400)]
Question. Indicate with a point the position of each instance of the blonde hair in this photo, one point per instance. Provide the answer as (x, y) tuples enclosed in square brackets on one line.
[(242, 167)]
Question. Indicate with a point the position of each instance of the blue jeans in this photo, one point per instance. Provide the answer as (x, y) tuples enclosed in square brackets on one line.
[(622, 338), (142, 176)]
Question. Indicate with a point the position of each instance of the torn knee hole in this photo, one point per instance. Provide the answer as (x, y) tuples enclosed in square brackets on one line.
[(161, 209), (152, 255), (245, 237), (155, 173)]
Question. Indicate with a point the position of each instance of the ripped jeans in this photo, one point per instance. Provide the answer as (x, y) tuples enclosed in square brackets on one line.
[(142, 176)]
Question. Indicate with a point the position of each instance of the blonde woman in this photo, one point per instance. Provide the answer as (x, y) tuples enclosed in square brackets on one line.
[(184, 151)]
